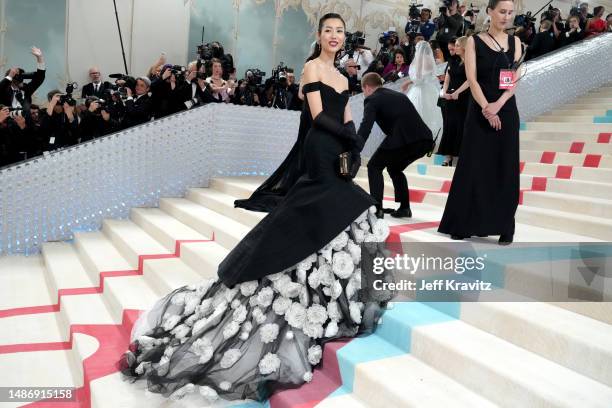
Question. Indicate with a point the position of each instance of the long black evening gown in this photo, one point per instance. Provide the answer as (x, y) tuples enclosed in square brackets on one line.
[(275, 188), (484, 193), (291, 284), (454, 110)]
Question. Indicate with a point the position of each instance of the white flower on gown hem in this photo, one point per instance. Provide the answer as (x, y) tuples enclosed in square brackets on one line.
[(147, 342), (289, 335), (340, 241), (372, 209), (279, 283), (244, 336), (332, 329), (253, 301), (364, 225), (314, 279), (355, 251), (359, 236), (169, 351), (171, 321), (269, 364), (313, 330), (181, 392), (306, 263), (333, 310), (205, 307), (230, 294), (304, 297), (355, 311), (314, 354), (334, 291), (248, 288), (202, 287), (230, 357), (291, 290), (281, 305), (210, 394), (268, 332), (163, 366), (225, 385), (265, 297), (301, 276), (181, 331), (307, 376), (192, 301), (203, 348), (362, 217), (276, 276), (258, 315), (316, 314), (247, 326), (239, 314), (342, 264), (351, 288), (296, 315), (380, 230), (326, 275), (231, 329)]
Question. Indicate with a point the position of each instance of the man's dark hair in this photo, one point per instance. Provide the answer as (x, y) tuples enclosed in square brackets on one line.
[(51, 93)]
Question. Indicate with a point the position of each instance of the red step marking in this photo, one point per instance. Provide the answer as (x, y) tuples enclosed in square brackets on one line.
[(604, 138), (446, 186), (592, 160), (547, 157), (538, 183), (576, 147), (564, 172), (522, 166)]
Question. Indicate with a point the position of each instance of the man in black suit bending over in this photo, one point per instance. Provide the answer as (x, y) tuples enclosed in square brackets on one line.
[(408, 139)]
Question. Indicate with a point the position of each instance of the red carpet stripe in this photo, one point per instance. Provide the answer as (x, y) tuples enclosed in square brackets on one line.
[(592, 160), (564, 172), (576, 147), (548, 157), (538, 183), (604, 138)]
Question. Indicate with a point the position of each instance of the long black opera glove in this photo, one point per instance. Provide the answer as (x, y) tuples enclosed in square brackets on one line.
[(345, 131)]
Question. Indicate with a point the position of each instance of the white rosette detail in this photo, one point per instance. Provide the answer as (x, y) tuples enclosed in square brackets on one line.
[(332, 329), (280, 305), (326, 275), (235, 304), (259, 316), (355, 311), (340, 241), (342, 265), (326, 253), (203, 348), (291, 290), (334, 291), (146, 342), (380, 229), (268, 332), (316, 314), (203, 287), (230, 329), (306, 263), (265, 297), (362, 217), (225, 385), (269, 364), (192, 301), (301, 276), (304, 297), (181, 331), (276, 276), (333, 311), (355, 251), (248, 288), (209, 393), (314, 354), (359, 236), (364, 226), (143, 367), (239, 314), (372, 209), (230, 294), (280, 282), (296, 315), (230, 357), (307, 376), (313, 330), (178, 299), (314, 279)]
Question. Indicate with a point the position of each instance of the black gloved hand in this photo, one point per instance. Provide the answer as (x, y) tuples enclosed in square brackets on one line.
[(345, 132)]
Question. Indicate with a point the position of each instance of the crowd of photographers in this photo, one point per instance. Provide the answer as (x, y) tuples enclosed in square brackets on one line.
[(28, 130)]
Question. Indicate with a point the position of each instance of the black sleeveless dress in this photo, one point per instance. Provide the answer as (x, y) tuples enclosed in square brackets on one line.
[(484, 193), (292, 284), (454, 110), (275, 188)]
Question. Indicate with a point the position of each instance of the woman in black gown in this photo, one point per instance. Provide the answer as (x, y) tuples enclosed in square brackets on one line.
[(457, 97), (290, 285), (484, 193)]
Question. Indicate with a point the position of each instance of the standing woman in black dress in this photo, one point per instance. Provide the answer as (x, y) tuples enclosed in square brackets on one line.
[(484, 193), (456, 92)]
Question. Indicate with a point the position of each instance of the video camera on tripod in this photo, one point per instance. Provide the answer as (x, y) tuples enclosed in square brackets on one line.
[(353, 42), (528, 19), (414, 18)]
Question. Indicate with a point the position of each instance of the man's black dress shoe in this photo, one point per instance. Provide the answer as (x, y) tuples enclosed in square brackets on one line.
[(388, 210), (402, 213), (380, 213), (458, 237)]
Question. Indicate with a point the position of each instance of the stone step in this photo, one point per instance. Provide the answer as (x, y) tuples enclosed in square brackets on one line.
[(557, 136), (570, 203), (29, 275), (571, 118), (514, 376), (98, 254), (227, 231), (564, 159), (570, 127), (64, 268), (549, 146), (132, 241)]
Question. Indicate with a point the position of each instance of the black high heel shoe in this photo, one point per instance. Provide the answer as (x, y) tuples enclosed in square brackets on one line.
[(457, 237), (505, 239)]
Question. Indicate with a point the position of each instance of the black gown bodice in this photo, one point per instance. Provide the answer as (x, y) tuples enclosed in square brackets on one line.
[(488, 65)]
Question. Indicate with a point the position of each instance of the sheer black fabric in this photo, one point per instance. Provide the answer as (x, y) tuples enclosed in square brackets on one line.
[(275, 188), (454, 110), (484, 193)]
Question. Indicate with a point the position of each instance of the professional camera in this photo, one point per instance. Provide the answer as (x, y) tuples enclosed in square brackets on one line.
[(524, 20), (14, 112), (179, 72), (445, 7), (67, 97), (121, 90), (549, 14), (353, 42), (206, 52), (387, 38), (279, 74), (474, 9), (414, 18), (254, 76)]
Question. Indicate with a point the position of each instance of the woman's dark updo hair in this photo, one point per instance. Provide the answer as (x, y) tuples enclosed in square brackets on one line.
[(317, 50), (493, 3), (400, 52)]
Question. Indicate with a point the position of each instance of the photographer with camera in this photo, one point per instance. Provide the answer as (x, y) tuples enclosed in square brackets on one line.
[(450, 26), (249, 90), (138, 105), (357, 51), (14, 92), (220, 89), (166, 91), (293, 91), (59, 124), (14, 136), (194, 91), (96, 121), (543, 42), (420, 23)]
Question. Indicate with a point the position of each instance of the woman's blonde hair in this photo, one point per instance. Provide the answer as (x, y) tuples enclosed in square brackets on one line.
[(462, 41)]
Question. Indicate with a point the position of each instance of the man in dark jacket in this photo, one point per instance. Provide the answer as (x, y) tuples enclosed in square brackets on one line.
[(408, 139), (14, 92), (138, 108)]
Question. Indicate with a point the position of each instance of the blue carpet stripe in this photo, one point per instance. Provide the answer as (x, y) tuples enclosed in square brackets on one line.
[(523, 126), (602, 119)]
